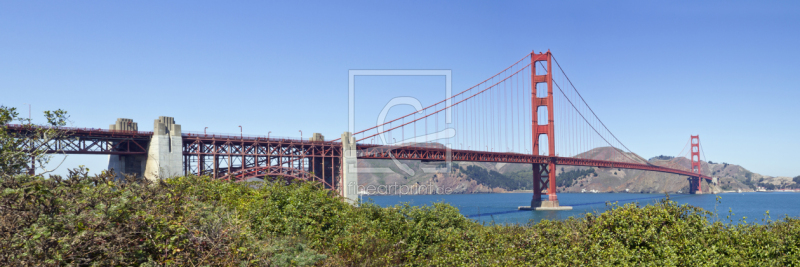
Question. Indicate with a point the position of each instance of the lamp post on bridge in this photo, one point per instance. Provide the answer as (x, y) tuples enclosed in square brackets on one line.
[(268, 134), (241, 133), (301, 135), (204, 131)]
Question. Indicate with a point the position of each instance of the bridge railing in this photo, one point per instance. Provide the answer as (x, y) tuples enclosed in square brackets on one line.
[(248, 137), (83, 130)]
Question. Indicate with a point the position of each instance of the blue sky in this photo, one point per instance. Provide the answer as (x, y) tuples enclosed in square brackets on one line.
[(654, 71)]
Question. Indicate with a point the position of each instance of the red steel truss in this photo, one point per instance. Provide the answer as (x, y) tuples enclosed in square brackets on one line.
[(242, 156), (276, 171), (89, 141), (219, 156)]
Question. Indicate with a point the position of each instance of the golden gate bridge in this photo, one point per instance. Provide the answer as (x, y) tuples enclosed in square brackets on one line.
[(528, 113)]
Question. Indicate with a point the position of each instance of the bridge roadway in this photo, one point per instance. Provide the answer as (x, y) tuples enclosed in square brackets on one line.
[(286, 150), (440, 154)]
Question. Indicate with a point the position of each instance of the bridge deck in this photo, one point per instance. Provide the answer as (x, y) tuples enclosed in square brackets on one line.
[(101, 141), (438, 154)]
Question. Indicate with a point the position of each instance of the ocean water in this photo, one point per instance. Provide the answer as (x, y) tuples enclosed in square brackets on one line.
[(502, 208)]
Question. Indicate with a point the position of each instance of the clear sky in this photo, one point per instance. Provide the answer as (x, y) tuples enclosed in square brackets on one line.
[(654, 71)]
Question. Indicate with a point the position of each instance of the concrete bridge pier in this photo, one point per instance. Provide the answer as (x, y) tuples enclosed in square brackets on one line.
[(165, 153), (126, 164), (349, 181), (164, 157)]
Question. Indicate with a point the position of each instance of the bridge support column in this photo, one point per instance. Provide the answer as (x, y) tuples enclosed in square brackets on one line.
[(540, 181), (694, 185), (540, 171), (349, 181), (165, 154), (544, 178), (694, 182), (126, 164)]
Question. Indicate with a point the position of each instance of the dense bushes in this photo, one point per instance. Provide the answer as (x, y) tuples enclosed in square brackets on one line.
[(494, 179), (569, 178), (194, 221)]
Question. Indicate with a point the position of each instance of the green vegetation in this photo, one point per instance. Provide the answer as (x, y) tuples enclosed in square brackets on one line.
[(768, 186), (17, 150), (519, 180), (571, 177), (515, 181), (662, 157), (196, 221), (749, 181)]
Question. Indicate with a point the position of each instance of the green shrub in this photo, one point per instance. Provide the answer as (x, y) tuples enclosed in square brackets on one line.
[(193, 220)]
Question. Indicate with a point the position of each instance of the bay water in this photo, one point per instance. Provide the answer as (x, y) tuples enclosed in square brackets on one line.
[(502, 208)]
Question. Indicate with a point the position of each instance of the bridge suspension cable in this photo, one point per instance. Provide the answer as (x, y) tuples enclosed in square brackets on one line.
[(590, 108), (592, 125), (495, 116)]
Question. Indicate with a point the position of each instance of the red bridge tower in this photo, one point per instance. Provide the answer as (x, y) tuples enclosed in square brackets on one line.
[(694, 182), (544, 175)]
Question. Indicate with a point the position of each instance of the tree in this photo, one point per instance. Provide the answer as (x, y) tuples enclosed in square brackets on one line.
[(26, 145)]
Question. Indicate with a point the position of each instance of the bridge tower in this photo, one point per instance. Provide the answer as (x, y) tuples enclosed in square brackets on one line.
[(126, 164), (544, 175), (694, 182)]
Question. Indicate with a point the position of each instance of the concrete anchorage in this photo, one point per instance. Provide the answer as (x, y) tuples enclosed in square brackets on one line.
[(349, 169), (164, 157), (126, 164), (165, 153)]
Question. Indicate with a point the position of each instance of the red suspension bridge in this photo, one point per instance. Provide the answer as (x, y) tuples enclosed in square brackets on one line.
[(528, 113)]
